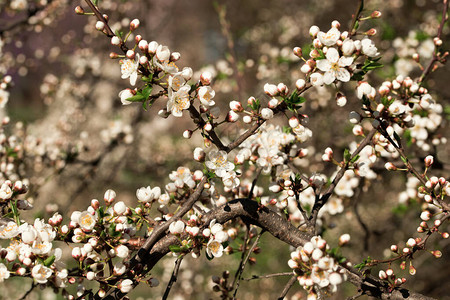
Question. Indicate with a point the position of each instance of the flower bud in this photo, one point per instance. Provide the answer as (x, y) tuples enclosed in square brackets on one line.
[(298, 51), (79, 10), (187, 134), (134, 24), (375, 14), (300, 84), (428, 161), (100, 25), (206, 78), (115, 40)]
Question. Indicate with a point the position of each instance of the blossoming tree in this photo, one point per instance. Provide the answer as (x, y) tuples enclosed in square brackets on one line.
[(256, 180)]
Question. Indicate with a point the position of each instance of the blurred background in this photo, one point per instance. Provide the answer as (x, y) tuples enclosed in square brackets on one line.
[(65, 95)]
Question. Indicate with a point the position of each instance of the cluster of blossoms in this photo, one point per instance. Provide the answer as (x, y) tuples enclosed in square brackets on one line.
[(157, 64), (315, 268), (406, 106), (30, 251), (219, 164), (334, 54)]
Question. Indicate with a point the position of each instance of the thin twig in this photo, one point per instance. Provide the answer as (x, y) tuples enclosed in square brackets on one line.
[(174, 277), (242, 267), (33, 285), (267, 276), (287, 287)]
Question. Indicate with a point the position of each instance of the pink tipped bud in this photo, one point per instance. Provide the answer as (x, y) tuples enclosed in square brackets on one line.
[(236, 106), (282, 89), (406, 250), (389, 272), (445, 235), (411, 242), (436, 253), (394, 248), (382, 275), (341, 100), (271, 89), (298, 51), (293, 122), (143, 60), (206, 78), (335, 24), (371, 32), (300, 84), (113, 55), (109, 196), (134, 24), (416, 57), (143, 45), (95, 204), (251, 100), (79, 10), (187, 134), (428, 161), (138, 38), (375, 14), (437, 41), (175, 56), (105, 16), (390, 166), (273, 103), (232, 116), (207, 127), (273, 201), (130, 54)]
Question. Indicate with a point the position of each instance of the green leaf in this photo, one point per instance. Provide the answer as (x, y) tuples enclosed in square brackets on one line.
[(49, 261), (175, 248), (95, 2), (354, 159), (146, 91), (136, 98), (347, 155)]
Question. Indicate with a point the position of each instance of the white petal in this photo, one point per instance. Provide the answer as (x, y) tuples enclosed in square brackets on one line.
[(323, 65), (345, 61), (332, 55), (329, 77), (343, 75)]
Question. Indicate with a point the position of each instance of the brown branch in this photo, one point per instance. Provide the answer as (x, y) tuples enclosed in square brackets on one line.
[(287, 287), (174, 277), (268, 276), (321, 201)]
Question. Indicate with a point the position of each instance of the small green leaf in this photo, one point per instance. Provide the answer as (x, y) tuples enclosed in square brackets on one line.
[(354, 159), (146, 91), (136, 98), (49, 261), (347, 155)]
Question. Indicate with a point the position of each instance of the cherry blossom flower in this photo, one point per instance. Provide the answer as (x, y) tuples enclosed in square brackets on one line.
[(330, 38), (9, 230), (87, 220), (218, 162), (368, 48), (41, 273), (129, 69), (334, 66), (214, 248), (126, 286), (178, 101), (124, 95), (205, 94)]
